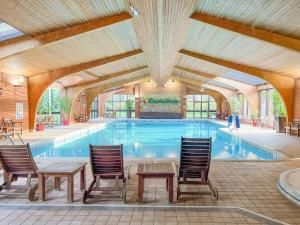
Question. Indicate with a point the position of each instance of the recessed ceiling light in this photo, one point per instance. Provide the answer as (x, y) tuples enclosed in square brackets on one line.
[(133, 10)]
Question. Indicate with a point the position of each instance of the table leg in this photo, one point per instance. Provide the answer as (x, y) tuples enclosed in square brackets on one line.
[(167, 183), (70, 188), (42, 187), (170, 185), (82, 178), (140, 188), (57, 183)]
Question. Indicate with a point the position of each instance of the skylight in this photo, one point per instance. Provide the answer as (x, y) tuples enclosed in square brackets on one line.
[(246, 78), (8, 32)]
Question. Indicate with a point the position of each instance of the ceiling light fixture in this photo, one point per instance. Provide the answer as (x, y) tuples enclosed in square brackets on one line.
[(133, 10)]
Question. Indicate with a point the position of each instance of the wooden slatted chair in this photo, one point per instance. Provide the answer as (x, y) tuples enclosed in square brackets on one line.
[(106, 164), (194, 166), (17, 161)]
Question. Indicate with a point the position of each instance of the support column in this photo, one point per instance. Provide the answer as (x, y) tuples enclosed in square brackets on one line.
[(137, 101), (297, 99)]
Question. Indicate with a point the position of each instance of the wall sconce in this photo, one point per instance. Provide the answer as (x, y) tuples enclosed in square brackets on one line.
[(1, 90), (18, 81)]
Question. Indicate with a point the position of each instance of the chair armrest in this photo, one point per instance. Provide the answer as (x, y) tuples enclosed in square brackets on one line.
[(127, 171), (176, 169)]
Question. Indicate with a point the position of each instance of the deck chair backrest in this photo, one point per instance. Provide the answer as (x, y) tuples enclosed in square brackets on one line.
[(195, 157), (106, 160), (296, 121), (17, 159)]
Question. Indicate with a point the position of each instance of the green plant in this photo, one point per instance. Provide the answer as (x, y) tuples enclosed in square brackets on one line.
[(234, 104), (129, 104), (65, 104), (254, 115), (278, 106)]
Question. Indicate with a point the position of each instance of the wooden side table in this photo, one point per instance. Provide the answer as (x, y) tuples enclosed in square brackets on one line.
[(58, 170), (155, 170)]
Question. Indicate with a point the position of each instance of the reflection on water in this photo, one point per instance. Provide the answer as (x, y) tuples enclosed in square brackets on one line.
[(158, 139)]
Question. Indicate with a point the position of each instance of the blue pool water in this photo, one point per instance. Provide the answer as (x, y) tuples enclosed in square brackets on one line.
[(155, 139)]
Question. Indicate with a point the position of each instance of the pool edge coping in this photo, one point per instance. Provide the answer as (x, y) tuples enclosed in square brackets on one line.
[(281, 156)]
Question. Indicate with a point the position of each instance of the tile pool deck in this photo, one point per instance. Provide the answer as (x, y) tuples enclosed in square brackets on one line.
[(245, 184)]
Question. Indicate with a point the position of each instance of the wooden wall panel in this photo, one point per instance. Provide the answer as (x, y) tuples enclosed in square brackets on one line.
[(10, 96)]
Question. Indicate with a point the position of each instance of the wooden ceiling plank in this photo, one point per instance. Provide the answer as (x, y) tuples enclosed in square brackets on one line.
[(107, 77), (267, 36), (20, 44)]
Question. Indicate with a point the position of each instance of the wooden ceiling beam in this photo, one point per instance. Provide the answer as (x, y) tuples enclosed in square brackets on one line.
[(198, 82), (107, 77), (199, 73), (284, 85), (39, 83), (20, 44), (264, 74), (91, 74), (267, 36)]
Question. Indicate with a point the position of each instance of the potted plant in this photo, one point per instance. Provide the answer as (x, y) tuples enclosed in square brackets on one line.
[(278, 112), (40, 126), (65, 104), (129, 107)]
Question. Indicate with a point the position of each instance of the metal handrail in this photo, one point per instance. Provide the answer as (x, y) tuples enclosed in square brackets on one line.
[(21, 139), (8, 137)]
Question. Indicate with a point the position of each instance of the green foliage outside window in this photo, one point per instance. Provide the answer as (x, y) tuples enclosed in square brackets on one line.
[(234, 104), (278, 106)]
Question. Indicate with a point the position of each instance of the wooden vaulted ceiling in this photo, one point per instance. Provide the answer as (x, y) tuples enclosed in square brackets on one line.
[(258, 33)]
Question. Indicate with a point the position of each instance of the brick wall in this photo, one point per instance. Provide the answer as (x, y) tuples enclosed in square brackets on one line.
[(297, 99), (14, 91)]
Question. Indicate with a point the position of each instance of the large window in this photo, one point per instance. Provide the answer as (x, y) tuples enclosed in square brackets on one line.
[(94, 110), (49, 104), (200, 106), (120, 106), (267, 106)]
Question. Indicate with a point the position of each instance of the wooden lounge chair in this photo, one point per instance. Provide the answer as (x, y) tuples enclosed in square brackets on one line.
[(195, 159), (7, 127), (295, 127), (106, 164), (16, 161)]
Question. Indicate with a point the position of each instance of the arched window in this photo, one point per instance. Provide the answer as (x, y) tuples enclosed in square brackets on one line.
[(94, 109), (49, 105), (200, 106)]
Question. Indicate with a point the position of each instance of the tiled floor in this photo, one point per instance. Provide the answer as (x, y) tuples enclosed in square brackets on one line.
[(127, 216), (250, 185)]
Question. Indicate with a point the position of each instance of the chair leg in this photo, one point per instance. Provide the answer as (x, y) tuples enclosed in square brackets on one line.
[(178, 191), (213, 191)]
